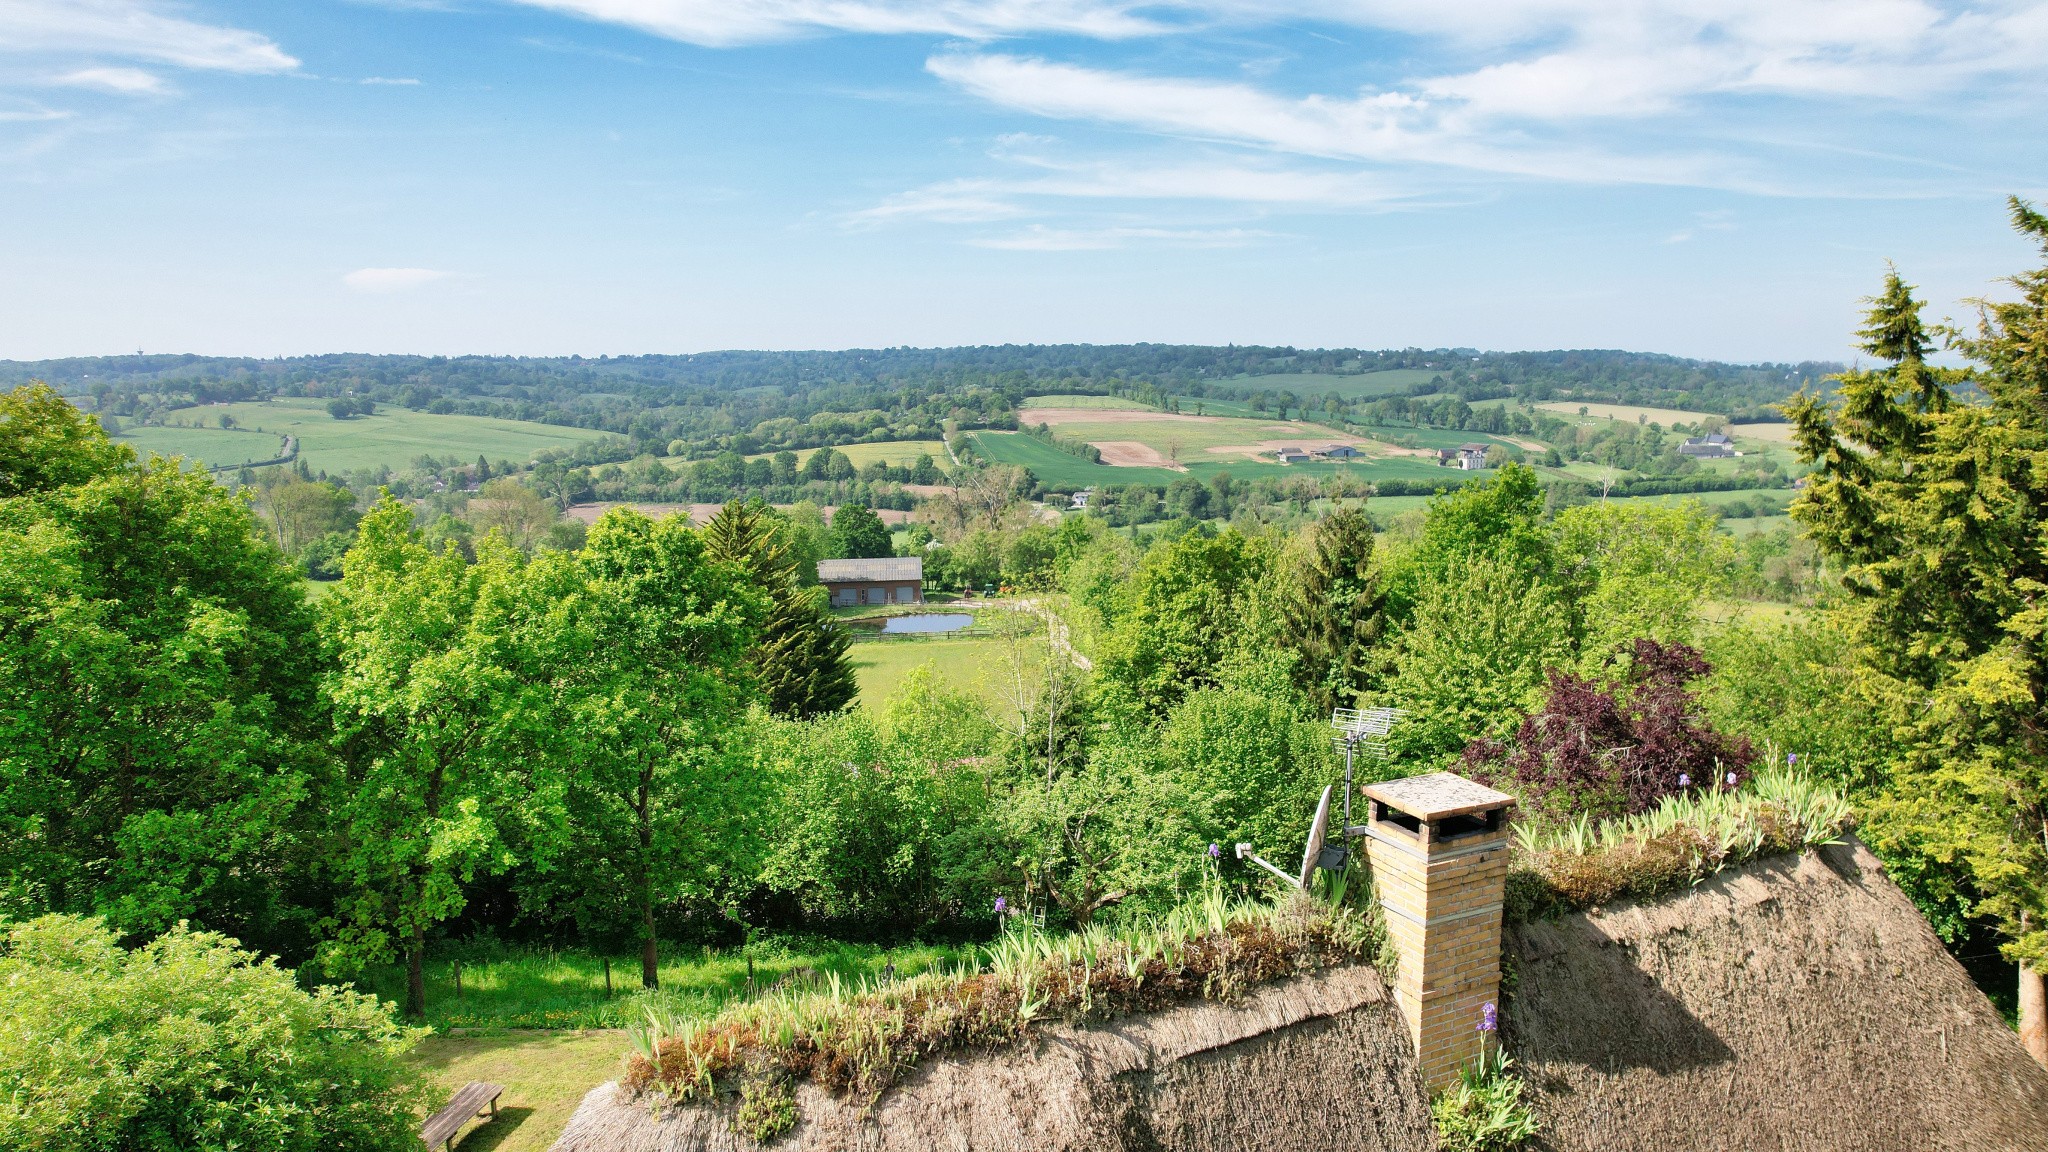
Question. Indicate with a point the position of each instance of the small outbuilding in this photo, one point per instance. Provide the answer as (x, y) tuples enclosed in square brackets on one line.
[(1338, 452), (893, 580), (1292, 456), (1709, 446)]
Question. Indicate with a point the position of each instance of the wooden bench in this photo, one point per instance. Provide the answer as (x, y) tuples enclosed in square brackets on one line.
[(475, 1096)]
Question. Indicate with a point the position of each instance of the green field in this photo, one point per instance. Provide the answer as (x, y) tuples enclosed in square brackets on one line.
[(203, 446), (965, 664), (1056, 469), (899, 453), (392, 438)]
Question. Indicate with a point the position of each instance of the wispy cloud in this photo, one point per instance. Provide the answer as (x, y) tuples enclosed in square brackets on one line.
[(1384, 126), (135, 30), (386, 280), (125, 81), (1042, 239), (398, 81), (981, 200), (723, 23)]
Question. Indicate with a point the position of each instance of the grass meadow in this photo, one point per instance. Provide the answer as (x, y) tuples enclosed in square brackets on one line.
[(392, 438), (962, 663)]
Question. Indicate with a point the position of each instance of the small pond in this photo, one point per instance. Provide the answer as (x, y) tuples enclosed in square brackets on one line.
[(926, 622)]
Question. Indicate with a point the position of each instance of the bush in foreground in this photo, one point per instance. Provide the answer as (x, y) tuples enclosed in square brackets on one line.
[(189, 1042)]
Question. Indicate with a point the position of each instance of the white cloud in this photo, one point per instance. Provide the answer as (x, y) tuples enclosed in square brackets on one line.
[(1041, 239), (391, 279), (135, 30), (721, 23), (402, 81), (1382, 126), (971, 201), (125, 81)]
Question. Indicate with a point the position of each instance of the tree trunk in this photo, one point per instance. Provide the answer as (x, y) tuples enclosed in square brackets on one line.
[(2033, 1013), (416, 975), (648, 953)]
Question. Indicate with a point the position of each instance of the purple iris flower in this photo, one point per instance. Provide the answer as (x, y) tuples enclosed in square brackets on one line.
[(1489, 1019), (1002, 905), (1731, 779), (1215, 852), (1791, 758), (1684, 781)]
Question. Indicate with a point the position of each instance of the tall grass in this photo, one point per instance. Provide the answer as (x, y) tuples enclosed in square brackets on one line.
[(1578, 864), (509, 987)]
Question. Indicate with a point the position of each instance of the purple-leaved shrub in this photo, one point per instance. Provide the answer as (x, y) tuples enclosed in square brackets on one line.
[(1615, 746)]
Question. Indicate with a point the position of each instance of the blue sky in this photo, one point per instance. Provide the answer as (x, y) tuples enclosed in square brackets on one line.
[(1706, 177)]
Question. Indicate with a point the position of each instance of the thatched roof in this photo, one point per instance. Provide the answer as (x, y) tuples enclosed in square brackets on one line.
[(1316, 1063), (1799, 1002)]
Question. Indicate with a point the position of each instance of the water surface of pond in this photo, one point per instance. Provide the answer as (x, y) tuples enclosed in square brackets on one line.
[(926, 622)]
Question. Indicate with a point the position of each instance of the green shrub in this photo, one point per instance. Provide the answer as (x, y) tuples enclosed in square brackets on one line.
[(1484, 1111), (189, 1042)]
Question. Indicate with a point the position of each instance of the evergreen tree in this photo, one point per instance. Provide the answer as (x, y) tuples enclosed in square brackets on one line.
[(1939, 511), (1332, 615), (801, 658)]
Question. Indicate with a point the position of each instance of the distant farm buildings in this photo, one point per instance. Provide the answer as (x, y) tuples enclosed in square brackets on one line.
[(1291, 456), (895, 580), (1465, 456), (1338, 452), (1709, 446)]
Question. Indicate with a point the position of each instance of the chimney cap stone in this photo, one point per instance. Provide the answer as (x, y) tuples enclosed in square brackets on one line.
[(1437, 796)]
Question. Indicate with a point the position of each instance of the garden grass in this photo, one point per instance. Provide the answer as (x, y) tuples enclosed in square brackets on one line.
[(392, 438), (963, 664), (545, 1074)]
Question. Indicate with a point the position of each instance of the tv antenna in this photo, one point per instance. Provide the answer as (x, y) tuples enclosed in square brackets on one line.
[(1361, 729)]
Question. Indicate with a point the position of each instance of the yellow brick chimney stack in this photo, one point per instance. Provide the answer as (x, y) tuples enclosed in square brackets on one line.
[(1438, 845)]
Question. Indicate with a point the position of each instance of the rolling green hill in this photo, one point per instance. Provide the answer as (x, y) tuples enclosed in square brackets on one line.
[(391, 438)]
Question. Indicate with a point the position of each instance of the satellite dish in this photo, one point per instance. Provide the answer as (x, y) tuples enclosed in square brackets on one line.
[(1317, 831)]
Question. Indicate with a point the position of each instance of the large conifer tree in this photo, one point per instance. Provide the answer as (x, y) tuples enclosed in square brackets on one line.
[(1332, 616), (1939, 510), (801, 659)]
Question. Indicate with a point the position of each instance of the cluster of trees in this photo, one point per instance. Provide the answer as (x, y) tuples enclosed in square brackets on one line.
[(751, 402), (186, 737)]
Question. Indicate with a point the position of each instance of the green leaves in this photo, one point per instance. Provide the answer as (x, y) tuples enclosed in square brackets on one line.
[(1939, 511), (189, 1042)]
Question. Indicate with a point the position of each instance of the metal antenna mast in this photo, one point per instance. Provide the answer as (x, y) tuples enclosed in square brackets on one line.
[(1364, 728)]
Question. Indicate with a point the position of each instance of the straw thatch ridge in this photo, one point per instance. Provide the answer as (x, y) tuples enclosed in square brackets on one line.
[(1799, 1002), (1315, 1063)]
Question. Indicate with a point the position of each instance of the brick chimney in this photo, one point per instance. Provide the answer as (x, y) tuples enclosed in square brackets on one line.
[(1438, 845)]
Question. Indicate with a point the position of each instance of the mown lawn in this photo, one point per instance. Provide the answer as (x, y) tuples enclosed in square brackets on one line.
[(545, 1075), (966, 664)]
